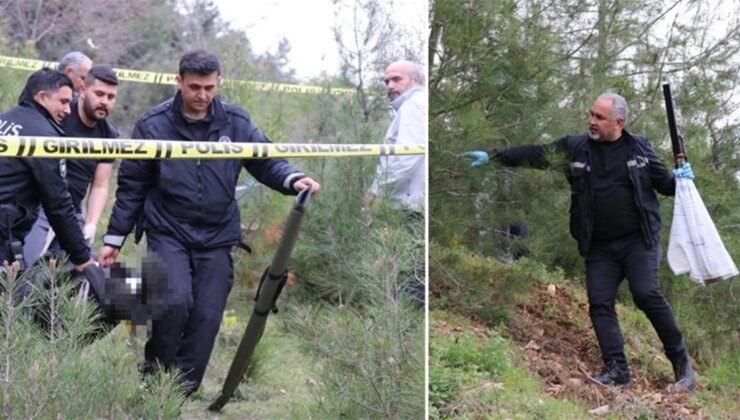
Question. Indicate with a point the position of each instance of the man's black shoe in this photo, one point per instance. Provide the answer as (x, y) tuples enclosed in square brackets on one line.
[(612, 374), (683, 371)]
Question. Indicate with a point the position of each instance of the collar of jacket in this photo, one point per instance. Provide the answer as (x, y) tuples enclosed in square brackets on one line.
[(396, 103), (626, 135), (583, 142), (31, 103), (216, 110)]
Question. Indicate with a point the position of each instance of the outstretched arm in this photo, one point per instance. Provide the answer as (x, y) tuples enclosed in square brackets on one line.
[(532, 155)]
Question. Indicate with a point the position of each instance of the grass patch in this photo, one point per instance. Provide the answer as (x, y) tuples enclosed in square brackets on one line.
[(548, 341), (721, 395), (484, 288), (472, 375), (371, 360), (281, 379)]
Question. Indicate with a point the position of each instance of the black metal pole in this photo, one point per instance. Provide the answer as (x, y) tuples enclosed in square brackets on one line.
[(679, 152), (269, 289)]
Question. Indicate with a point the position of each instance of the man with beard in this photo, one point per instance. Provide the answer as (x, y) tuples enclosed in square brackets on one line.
[(615, 218), (97, 97), (401, 180)]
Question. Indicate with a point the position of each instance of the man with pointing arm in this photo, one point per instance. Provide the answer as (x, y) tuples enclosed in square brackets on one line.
[(615, 218)]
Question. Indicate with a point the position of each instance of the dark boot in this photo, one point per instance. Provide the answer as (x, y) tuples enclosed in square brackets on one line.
[(683, 372), (613, 374)]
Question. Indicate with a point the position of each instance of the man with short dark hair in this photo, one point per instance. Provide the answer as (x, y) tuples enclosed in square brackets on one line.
[(75, 65), (88, 119), (189, 213), (27, 183), (615, 218)]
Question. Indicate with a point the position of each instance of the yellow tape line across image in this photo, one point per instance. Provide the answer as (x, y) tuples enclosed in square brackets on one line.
[(87, 148), (169, 78)]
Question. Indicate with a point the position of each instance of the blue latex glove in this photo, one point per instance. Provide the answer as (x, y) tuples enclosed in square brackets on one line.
[(684, 171), (479, 158)]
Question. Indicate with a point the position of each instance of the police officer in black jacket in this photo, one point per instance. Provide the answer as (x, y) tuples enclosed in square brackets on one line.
[(616, 221), (189, 213), (89, 118), (26, 182)]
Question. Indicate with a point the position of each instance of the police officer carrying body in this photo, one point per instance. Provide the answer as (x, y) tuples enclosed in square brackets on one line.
[(188, 210), (88, 118), (27, 182)]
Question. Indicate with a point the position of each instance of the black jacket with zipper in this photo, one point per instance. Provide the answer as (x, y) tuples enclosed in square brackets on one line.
[(646, 172), (191, 200), (26, 183)]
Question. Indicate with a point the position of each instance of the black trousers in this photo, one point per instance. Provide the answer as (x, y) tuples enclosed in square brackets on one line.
[(5, 250), (200, 282), (607, 264)]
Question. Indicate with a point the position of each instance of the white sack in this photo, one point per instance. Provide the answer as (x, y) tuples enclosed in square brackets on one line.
[(694, 244)]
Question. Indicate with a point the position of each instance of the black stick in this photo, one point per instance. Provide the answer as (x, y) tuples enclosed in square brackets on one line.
[(679, 152), (269, 289)]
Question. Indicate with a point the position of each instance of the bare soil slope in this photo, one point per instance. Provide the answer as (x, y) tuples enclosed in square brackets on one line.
[(554, 332)]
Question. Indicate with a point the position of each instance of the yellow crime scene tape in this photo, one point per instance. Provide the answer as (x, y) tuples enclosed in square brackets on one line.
[(92, 148), (169, 78)]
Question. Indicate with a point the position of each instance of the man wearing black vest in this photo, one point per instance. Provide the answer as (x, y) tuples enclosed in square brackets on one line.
[(615, 219)]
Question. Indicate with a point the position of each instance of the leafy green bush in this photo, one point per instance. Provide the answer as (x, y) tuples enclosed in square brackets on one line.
[(372, 342), (474, 285)]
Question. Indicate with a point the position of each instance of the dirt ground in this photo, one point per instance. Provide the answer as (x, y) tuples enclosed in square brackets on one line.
[(554, 332)]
